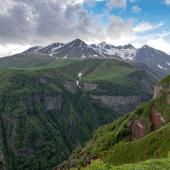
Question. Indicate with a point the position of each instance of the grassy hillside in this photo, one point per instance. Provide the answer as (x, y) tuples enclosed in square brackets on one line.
[(140, 135), (44, 115), (157, 164)]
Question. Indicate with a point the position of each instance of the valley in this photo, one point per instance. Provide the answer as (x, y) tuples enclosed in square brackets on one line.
[(53, 109)]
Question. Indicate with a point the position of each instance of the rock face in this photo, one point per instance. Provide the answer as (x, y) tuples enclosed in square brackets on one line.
[(161, 90), (89, 86), (137, 129), (52, 102), (119, 103), (157, 120), (70, 86), (157, 91)]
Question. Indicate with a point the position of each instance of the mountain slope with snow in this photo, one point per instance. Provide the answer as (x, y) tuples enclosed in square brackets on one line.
[(157, 60)]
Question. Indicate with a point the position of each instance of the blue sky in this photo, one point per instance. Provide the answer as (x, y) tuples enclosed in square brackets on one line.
[(40, 22), (150, 19)]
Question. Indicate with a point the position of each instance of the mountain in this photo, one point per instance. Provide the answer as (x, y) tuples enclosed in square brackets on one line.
[(51, 49), (45, 113), (138, 136), (32, 50), (74, 49), (126, 52), (157, 60)]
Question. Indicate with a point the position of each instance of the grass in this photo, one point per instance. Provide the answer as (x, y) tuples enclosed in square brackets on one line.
[(112, 143), (155, 164)]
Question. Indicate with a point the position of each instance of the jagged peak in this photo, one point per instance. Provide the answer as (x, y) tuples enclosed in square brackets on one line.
[(146, 46), (129, 46), (77, 42)]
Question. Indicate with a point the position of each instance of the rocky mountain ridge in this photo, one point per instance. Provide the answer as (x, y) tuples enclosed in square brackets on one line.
[(157, 60)]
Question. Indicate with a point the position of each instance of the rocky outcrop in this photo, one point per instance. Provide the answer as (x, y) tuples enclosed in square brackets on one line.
[(157, 120), (52, 102), (137, 129), (121, 104), (158, 91), (70, 86), (43, 80), (162, 91), (89, 86)]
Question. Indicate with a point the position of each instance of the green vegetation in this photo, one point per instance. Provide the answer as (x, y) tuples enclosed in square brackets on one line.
[(42, 120), (157, 164), (113, 143)]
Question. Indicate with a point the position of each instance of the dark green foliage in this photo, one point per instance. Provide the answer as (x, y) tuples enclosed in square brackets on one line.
[(42, 121)]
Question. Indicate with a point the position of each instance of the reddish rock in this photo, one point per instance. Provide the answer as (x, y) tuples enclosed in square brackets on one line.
[(157, 120), (137, 129)]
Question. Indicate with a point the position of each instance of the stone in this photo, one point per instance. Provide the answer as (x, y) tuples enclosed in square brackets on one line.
[(137, 129), (157, 120)]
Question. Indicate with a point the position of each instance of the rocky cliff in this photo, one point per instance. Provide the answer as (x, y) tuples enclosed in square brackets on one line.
[(140, 135)]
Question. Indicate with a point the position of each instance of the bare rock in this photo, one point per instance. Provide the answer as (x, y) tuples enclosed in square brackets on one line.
[(121, 104), (52, 102), (70, 86), (137, 129), (158, 91), (157, 120), (89, 86), (43, 80)]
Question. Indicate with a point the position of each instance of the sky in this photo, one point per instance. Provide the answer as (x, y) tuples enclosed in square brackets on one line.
[(26, 23)]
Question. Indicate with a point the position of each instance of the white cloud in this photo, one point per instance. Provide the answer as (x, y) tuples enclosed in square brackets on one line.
[(159, 43), (116, 4), (167, 2), (146, 26), (40, 22), (136, 9), (10, 49), (119, 29)]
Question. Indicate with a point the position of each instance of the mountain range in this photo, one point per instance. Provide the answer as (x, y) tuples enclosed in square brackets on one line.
[(53, 98), (157, 60)]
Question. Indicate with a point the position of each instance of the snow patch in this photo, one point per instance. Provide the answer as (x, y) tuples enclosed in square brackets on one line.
[(161, 67), (65, 57), (83, 56), (168, 63), (108, 49)]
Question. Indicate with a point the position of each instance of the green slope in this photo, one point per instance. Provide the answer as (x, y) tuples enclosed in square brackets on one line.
[(44, 115), (157, 164), (117, 144)]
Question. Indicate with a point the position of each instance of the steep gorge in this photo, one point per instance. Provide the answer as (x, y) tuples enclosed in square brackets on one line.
[(138, 136), (44, 112)]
